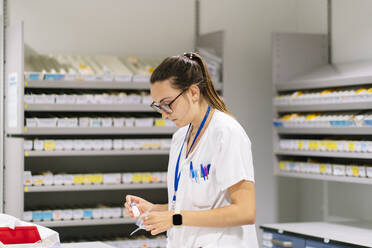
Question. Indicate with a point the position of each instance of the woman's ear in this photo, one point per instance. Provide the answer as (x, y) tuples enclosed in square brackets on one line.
[(195, 93)]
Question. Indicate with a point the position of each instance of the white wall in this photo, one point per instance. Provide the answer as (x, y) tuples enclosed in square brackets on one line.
[(123, 27), (352, 30)]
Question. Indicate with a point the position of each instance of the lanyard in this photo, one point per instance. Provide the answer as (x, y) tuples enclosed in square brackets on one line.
[(177, 174)]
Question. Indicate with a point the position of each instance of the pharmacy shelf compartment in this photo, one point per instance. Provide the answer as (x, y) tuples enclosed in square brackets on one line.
[(335, 75), (94, 85), (96, 153), (100, 131), (325, 107), (93, 222), (100, 187), (358, 155), (346, 179), (88, 108), (325, 130)]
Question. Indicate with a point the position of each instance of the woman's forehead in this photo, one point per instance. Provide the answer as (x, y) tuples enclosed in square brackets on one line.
[(162, 89)]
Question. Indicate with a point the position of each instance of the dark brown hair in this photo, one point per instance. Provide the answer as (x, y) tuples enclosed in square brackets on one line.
[(188, 69)]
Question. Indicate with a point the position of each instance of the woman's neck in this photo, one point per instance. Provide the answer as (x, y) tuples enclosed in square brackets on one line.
[(199, 116)]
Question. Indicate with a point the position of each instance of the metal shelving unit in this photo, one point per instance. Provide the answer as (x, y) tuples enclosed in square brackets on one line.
[(44, 84), (88, 108), (325, 130), (98, 187), (301, 61), (17, 160), (326, 177), (95, 153), (325, 107), (99, 131), (85, 222), (358, 155)]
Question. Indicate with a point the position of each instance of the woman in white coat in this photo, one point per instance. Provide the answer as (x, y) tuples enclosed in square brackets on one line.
[(210, 171)]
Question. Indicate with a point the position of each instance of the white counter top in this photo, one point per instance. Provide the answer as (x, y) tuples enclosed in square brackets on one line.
[(86, 245), (346, 232)]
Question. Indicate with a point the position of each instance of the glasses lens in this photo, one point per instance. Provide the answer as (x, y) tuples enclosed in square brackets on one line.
[(156, 107), (166, 108)]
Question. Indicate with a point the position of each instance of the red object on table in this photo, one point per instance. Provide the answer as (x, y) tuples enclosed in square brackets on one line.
[(19, 235)]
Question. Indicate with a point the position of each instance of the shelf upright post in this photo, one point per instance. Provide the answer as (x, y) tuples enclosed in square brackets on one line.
[(13, 175), (2, 23)]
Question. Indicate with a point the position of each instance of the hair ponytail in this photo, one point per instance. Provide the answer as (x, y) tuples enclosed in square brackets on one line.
[(186, 70), (210, 92)]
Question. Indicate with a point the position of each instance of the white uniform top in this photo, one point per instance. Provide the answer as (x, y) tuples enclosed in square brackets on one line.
[(227, 148)]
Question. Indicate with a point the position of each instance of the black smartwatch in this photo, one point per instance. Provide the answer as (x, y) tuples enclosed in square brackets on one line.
[(177, 218)]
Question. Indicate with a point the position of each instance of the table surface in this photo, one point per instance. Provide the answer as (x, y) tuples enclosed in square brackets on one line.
[(86, 245), (346, 232)]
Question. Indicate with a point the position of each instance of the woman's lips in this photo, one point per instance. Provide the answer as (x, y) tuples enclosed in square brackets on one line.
[(174, 120)]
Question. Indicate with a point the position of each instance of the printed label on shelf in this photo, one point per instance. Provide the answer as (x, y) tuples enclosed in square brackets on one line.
[(12, 100)]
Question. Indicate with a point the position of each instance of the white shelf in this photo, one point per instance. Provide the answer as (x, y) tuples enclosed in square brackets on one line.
[(325, 130), (325, 177), (89, 222), (88, 108), (351, 232), (325, 107), (99, 187), (100, 131), (95, 85), (336, 75), (96, 153), (325, 154)]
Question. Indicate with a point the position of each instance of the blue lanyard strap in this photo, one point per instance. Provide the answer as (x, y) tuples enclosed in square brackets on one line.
[(177, 174)]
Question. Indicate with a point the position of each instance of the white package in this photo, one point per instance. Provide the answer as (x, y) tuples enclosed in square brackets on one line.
[(68, 122), (369, 171), (58, 179), (99, 144), (66, 214), (68, 145), (95, 122), (68, 179), (48, 179), (82, 99), (106, 122), (112, 178), (83, 122), (77, 214), (128, 144), (362, 171), (27, 215), (118, 144), (31, 122), (27, 178), (39, 145), (144, 122), (127, 178), (28, 145), (97, 213), (59, 144), (44, 99), (165, 143), (119, 122), (37, 180), (129, 122), (57, 214), (338, 170), (66, 99), (29, 99), (134, 99), (147, 99), (78, 145), (107, 144), (47, 122)]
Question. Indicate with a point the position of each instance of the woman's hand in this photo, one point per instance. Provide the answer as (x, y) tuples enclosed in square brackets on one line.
[(142, 204), (158, 222)]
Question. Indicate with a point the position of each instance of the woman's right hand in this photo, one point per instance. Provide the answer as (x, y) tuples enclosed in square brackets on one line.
[(142, 204)]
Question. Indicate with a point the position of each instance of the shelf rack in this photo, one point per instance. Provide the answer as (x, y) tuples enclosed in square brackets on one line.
[(85, 222), (292, 72), (98, 187), (96, 153)]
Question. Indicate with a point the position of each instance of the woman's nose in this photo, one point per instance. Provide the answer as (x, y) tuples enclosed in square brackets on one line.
[(164, 115)]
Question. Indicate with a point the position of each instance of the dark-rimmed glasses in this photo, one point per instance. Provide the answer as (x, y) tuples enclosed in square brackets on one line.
[(166, 107)]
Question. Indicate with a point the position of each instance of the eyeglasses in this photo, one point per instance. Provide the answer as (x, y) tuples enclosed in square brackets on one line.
[(165, 107)]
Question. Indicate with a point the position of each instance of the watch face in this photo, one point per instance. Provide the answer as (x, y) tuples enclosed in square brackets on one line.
[(177, 219)]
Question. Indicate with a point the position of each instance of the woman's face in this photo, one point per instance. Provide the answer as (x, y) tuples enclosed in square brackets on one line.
[(163, 93)]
